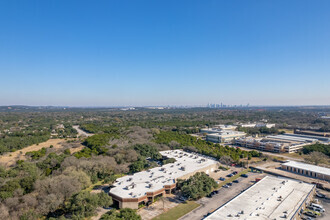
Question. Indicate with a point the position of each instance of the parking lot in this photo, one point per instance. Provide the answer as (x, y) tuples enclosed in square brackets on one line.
[(325, 202), (225, 194)]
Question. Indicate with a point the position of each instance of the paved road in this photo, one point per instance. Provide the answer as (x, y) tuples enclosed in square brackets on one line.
[(81, 132), (225, 194)]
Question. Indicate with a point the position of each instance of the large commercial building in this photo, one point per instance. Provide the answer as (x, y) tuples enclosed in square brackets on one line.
[(257, 125), (308, 170), (224, 136), (270, 198), (284, 143), (225, 127), (269, 145), (140, 188)]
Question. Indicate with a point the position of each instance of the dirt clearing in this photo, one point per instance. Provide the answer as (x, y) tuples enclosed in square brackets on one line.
[(10, 158)]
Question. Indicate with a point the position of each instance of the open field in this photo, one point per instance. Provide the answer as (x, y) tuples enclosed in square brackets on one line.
[(10, 158)]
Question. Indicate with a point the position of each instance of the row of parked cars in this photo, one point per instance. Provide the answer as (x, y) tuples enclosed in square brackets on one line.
[(313, 210)]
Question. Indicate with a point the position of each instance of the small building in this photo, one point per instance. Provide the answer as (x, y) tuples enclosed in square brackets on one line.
[(140, 188), (308, 170), (269, 198), (224, 136)]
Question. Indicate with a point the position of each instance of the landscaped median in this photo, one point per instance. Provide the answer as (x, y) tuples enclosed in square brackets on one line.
[(178, 211)]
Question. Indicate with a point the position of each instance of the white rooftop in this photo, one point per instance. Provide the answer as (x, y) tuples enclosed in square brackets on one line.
[(305, 166), (138, 184), (270, 198), (226, 132), (291, 138)]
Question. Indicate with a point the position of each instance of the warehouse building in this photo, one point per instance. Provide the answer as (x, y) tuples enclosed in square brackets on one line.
[(308, 170), (224, 136), (140, 188), (270, 198)]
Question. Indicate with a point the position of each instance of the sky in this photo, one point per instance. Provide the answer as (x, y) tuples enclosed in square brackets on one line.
[(164, 52)]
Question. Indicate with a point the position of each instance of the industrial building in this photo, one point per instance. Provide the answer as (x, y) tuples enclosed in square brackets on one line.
[(284, 143), (270, 198), (224, 136), (268, 145), (308, 170), (210, 130), (218, 128), (225, 127), (257, 125), (131, 190)]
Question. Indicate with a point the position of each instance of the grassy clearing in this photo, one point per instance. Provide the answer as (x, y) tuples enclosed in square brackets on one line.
[(178, 211), (287, 131)]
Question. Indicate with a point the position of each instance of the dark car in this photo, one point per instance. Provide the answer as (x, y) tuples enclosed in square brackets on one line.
[(222, 179), (230, 184), (216, 191), (244, 175), (230, 175), (235, 172), (236, 181)]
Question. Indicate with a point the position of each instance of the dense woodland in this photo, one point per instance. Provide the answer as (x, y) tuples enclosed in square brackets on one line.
[(56, 183)]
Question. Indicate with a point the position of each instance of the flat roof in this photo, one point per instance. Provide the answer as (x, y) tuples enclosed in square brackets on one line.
[(138, 184), (226, 132), (270, 198), (309, 167), (291, 138)]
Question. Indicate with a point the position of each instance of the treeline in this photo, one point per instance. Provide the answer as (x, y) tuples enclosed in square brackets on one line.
[(181, 140), (323, 148), (16, 141), (99, 127), (260, 130)]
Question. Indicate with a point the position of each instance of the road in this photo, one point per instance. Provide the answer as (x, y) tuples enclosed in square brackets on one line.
[(224, 195), (81, 132)]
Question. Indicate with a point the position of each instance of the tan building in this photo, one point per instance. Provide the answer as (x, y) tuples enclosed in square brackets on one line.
[(132, 190), (308, 170)]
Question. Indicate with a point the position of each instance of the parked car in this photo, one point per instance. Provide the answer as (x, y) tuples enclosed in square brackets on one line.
[(222, 179), (244, 175), (225, 186), (209, 195), (216, 191), (182, 198), (230, 175), (229, 184), (310, 213), (235, 172), (317, 209), (320, 195), (235, 181)]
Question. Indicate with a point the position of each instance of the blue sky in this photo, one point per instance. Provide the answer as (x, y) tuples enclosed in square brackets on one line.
[(164, 52)]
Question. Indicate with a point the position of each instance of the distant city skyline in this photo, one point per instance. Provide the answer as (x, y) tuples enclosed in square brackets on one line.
[(160, 53)]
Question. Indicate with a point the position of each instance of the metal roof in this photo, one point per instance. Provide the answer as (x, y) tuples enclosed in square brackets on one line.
[(309, 167)]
